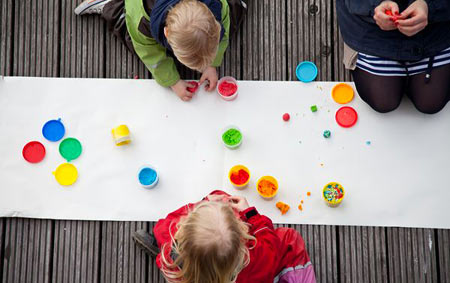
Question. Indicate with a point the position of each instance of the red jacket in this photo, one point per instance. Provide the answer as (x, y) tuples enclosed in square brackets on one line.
[(277, 250)]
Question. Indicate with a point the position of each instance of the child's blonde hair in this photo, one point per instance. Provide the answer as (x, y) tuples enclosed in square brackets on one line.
[(210, 244), (193, 33)]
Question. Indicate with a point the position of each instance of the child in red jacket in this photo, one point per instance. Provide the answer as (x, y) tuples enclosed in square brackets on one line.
[(221, 239)]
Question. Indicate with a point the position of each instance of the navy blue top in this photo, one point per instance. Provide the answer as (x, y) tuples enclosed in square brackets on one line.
[(159, 14), (361, 33)]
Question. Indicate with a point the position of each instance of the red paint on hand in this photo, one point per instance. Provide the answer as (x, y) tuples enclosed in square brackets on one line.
[(240, 177), (193, 89), (227, 88), (286, 117)]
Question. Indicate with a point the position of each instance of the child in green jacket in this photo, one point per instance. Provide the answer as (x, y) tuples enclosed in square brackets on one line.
[(196, 32)]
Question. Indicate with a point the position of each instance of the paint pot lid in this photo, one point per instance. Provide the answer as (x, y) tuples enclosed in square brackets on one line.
[(70, 149), (66, 174), (53, 130), (342, 93), (346, 117), (306, 71), (33, 152)]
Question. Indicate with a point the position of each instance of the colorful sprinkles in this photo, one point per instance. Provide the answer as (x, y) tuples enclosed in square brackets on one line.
[(333, 193)]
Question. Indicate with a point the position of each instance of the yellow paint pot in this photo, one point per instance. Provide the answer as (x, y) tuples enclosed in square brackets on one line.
[(121, 135)]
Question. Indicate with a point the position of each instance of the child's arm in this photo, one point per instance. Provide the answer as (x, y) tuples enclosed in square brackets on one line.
[(162, 67), (264, 255), (224, 42)]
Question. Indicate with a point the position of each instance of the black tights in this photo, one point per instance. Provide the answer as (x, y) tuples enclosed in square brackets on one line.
[(384, 93)]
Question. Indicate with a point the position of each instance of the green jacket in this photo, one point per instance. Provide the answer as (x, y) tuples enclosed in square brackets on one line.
[(153, 54)]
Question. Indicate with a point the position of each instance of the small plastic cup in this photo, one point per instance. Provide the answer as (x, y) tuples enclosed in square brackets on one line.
[(271, 180), (148, 177), (121, 135), (236, 169), (231, 145), (227, 80), (333, 193)]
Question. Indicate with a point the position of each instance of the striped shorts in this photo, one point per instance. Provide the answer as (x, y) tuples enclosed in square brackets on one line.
[(385, 67)]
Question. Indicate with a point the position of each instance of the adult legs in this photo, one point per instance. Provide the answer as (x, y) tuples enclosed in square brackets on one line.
[(430, 97), (382, 93)]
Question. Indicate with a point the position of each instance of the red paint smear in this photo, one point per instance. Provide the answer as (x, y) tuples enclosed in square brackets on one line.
[(227, 88), (193, 89), (240, 177)]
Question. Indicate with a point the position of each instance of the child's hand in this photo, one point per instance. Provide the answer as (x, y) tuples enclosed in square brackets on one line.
[(383, 20), (414, 18), (238, 203), (216, 197), (180, 88), (210, 75)]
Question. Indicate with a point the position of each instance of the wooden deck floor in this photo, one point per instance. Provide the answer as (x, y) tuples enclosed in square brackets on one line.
[(44, 38)]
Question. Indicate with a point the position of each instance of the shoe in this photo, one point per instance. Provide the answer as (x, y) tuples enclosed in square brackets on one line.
[(146, 242), (91, 7)]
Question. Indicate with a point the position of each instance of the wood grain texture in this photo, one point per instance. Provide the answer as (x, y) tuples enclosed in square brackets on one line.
[(121, 63), (411, 255), (121, 260), (36, 38), (6, 36), (321, 244), (76, 251), (443, 240), (2, 246), (27, 250), (340, 73), (309, 36), (82, 43), (264, 41), (362, 254)]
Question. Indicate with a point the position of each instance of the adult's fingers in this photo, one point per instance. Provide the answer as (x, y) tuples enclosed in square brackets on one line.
[(413, 21)]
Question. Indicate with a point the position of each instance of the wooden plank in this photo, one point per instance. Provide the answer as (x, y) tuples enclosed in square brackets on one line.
[(231, 65), (340, 73), (309, 36), (443, 241), (2, 248), (35, 38), (154, 274), (76, 251), (362, 254), (6, 36), (321, 244), (82, 43), (411, 255), (264, 41), (121, 63), (121, 260), (27, 250)]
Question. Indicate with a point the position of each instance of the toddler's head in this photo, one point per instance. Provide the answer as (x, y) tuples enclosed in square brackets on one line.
[(210, 244), (193, 33)]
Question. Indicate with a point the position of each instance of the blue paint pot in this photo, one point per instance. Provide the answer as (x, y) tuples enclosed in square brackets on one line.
[(53, 130), (148, 177), (306, 71)]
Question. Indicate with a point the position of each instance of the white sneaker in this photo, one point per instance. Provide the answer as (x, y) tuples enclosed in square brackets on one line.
[(91, 7)]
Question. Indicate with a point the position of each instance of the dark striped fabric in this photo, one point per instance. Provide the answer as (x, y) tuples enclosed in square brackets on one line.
[(385, 67)]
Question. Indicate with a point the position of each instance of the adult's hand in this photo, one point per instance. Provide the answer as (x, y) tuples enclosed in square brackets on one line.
[(414, 18), (383, 20), (180, 88)]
